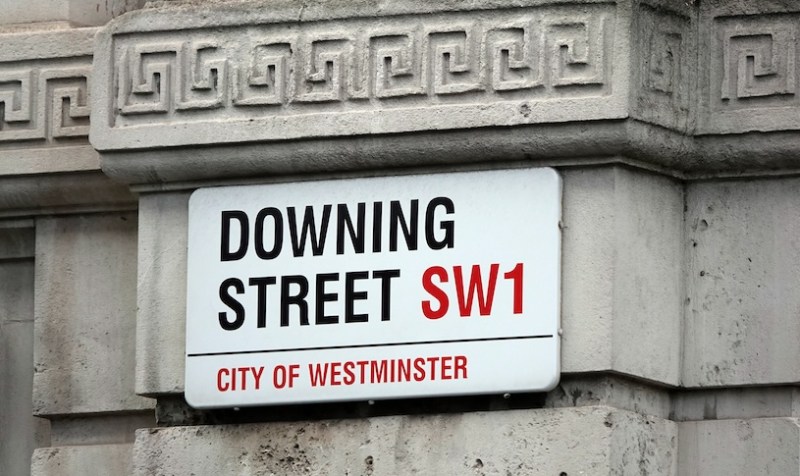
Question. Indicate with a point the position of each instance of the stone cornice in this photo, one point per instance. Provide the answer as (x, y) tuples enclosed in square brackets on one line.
[(44, 96), (231, 89), (46, 162)]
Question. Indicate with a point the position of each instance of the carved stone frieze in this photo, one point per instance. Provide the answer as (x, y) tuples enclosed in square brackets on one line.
[(46, 162), (44, 103), (664, 67), (752, 73), (657, 83), (354, 76), (45, 94)]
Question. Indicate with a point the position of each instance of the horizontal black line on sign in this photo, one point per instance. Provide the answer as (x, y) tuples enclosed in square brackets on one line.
[(359, 346)]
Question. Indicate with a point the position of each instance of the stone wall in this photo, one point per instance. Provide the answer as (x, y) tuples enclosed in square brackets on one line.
[(674, 127)]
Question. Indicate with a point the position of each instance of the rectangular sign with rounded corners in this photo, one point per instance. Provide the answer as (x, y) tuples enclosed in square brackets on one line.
[(374, 288)]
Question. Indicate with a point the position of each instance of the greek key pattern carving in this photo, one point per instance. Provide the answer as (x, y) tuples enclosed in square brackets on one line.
[(662, 71), (356, 65), (759, 62), (44, 103), (663, 39)]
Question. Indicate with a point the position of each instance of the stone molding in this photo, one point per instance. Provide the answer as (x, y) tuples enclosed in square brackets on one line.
[(335, 87), (46, 162), (334, 81), (44, 100), (453, 70)]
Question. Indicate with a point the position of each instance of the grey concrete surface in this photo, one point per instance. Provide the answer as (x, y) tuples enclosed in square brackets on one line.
[(645, 92), (85, 307), (99, 430), (766, 446), (106, 460), (436, 81), (17, 239), (61, 193), (736, 403), (747, 75), (743, 260), (76, 12), (44, 89), (621, 280), (589, 440), (161, 315), (606, 390), (20, 431)]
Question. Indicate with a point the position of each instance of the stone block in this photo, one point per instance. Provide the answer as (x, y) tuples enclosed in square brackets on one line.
[(664, 51), (110, 460), (60, 193), (20, 432), (622, 280), (97, 430), (33, 11), (16, 288), (747, 75), (739, 447), (610, 391), (387, 76), (743, 265), (95, 12), (79, 12), (16, 240), (736, 403), (85, 305), (588, 440), (161, 317), (45, 75)]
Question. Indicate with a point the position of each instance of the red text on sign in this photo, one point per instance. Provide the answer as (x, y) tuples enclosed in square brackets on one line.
[(237, 378), (477, 288), (284, 375), (360, 372)]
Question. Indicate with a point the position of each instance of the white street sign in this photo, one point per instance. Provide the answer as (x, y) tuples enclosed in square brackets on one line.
[(374, 288)]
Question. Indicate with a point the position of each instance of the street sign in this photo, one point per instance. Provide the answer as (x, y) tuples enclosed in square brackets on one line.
[(374, 288)]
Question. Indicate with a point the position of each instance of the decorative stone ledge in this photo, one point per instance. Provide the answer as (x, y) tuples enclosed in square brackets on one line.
[(302, 79), (44, 99), (334, 86), (46, 162)]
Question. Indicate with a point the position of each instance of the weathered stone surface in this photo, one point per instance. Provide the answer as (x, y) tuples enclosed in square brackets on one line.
[(739, 447), (20, 432), (99, 430), (80, 12), (46, 163), (33, 11), (748, 74), (111, 460), (44, 87), (414, 73), (610, 391), (589, 440), (451, 66), (85, 308), (743, 266), (736, 403), (161, 316), (16, 239), (31, 195), (621, 282), (663, 69)]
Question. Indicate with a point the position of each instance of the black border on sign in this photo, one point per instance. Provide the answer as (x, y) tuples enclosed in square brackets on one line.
[(358, 346)]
